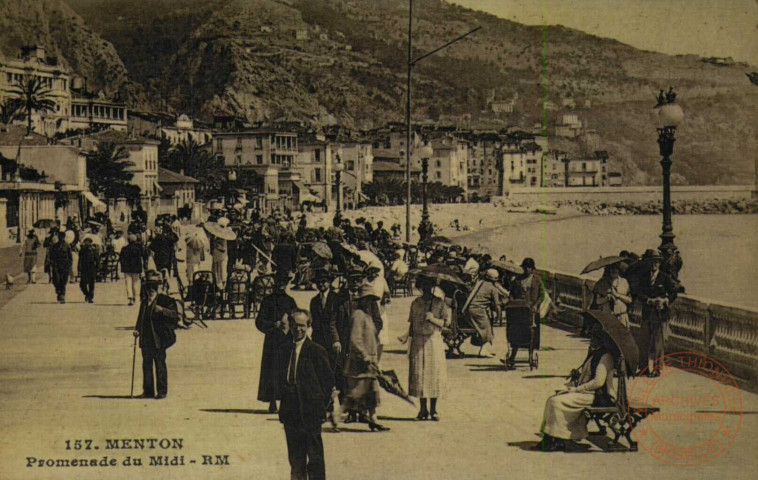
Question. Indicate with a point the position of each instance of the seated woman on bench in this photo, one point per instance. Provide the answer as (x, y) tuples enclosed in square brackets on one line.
[(590, 386)]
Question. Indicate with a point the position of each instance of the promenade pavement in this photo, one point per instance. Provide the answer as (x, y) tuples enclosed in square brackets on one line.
[(65, 374)]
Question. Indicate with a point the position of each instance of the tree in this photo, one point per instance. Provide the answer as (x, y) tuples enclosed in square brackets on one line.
[(34, 96), (9, 110), (107, 171), (199, 163)]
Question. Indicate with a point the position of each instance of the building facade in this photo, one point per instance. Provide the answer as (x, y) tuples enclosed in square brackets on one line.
[(272, 155)]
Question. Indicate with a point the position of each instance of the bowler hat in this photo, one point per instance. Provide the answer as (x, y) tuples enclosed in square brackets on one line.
[(652, 255), (153, 277)]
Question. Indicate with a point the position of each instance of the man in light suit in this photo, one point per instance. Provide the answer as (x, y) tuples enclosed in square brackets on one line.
[(306, 382)]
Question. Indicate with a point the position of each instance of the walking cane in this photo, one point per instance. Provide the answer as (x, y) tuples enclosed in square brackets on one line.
[(134, 362)]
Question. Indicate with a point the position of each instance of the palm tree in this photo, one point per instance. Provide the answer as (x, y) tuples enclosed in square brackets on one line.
[(198, 163), (107, 171), (9, 110), (34, 96)]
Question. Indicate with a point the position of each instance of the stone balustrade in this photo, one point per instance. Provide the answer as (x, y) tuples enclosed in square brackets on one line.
[(728, 333)]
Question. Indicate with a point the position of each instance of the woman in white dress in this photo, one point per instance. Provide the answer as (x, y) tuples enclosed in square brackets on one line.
[(427, 377), (564, 420)]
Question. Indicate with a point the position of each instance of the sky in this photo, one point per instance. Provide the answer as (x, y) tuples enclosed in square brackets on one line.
[(719, 28)]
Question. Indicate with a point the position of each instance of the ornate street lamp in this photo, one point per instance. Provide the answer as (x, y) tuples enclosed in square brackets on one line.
[(669, 116), (425, 229), (338, 167)]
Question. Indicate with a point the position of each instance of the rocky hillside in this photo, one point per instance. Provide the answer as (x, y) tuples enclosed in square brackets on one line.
[(243, 57), (64, 34)]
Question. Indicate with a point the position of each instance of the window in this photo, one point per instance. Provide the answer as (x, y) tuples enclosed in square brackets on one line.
[(317, 155), (350, 165), (317, 174), (439, 175), (219, 144), (258, 142), (584, 166), (239, 141), (259, 159), (438, 163)]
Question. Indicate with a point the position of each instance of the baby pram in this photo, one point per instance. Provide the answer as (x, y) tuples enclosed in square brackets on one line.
[(522, 331)]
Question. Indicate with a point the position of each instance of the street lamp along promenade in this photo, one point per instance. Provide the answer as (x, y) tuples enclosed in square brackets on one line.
[(425, 229), (668, 115), (338, 168)]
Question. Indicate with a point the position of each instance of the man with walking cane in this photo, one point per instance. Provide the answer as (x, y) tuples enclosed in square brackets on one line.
[(158, 317)]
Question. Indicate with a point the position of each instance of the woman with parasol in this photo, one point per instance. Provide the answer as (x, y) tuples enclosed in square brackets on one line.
[(590, 385), (427, 377), (361, 370)]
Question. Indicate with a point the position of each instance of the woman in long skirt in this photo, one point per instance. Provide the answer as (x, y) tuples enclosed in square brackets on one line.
[(361, 367), (564, 420), (427, 377), (29, 252)]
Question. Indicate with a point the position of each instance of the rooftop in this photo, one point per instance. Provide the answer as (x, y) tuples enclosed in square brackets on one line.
[(169, 176)]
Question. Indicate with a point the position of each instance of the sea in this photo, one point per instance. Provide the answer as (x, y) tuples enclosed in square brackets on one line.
[(720, 252)]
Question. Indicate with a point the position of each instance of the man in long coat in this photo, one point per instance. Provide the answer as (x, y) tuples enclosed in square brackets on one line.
[(272, 322), (89, 265), (657, 291), (156, 322), (61, 260), (324, 315)]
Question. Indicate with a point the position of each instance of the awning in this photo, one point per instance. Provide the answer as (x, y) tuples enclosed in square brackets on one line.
[(299, 186), (97, 204), (364, 197), (158, 188), (308, 197)]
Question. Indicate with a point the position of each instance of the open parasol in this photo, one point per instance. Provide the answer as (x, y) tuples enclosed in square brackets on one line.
[(507, 266), (619, 334), (440, 273), (389, 382), (197, 240), (322, 250), (217, 230), (602, 262)]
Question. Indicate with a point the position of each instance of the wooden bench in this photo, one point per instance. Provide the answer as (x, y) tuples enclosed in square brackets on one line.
[(621, 418)]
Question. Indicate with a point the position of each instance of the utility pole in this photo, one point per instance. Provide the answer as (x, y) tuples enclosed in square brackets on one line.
[(408, 117)]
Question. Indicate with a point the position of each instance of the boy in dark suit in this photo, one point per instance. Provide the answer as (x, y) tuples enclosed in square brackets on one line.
[(306, 381)]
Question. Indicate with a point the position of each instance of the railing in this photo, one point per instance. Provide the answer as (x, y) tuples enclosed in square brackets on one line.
[(728, 333)]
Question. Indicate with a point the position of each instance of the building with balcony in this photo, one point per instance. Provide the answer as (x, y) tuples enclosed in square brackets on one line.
[(315, 163), (34, 62), (73, 106), (143, 154), (175, 129), (484, 165), (272, 154), (522, 162), (449, 163), (358, 168)]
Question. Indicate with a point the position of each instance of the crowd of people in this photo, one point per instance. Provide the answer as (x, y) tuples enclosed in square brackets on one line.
[(333, 372)]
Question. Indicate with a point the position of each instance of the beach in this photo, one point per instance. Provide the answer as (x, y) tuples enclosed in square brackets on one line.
[(719, 251)]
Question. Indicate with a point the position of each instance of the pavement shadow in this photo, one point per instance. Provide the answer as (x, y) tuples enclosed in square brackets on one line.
[(486, 368), (397, 419), (123, 328), (110, 304), (114, 397), (237, 410), (529, 446), (348, 430), (728, 412), (544, 376), (395, 351)]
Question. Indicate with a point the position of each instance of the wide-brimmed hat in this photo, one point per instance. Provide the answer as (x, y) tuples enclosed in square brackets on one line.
[(492, 274)]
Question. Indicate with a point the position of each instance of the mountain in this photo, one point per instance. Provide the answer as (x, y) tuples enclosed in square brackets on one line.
[(243, 57), (63, 33)]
